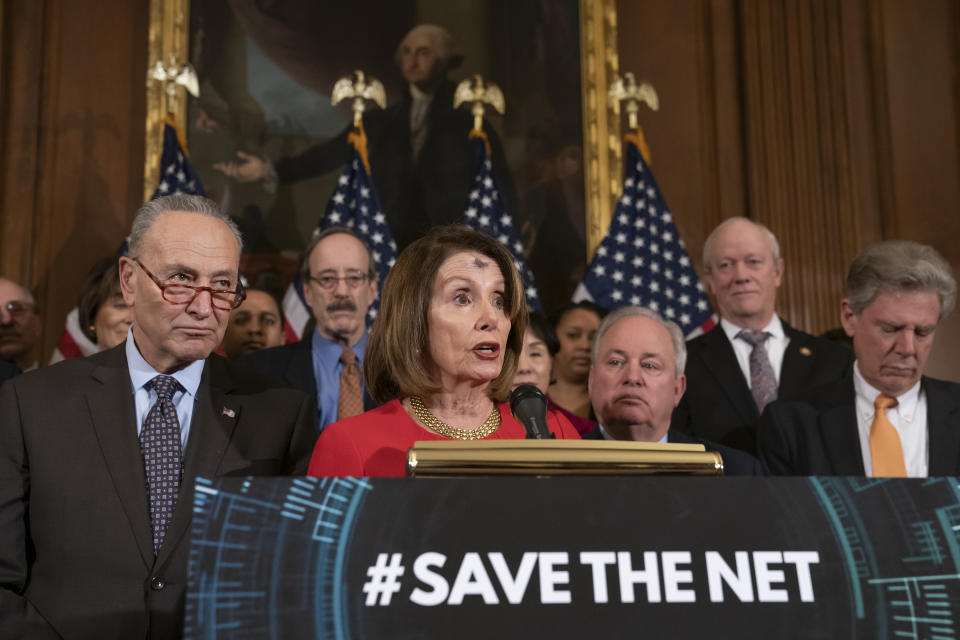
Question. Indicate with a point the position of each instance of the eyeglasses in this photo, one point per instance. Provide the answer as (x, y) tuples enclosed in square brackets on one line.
[(18, 308), (222, 299), (330, 283)]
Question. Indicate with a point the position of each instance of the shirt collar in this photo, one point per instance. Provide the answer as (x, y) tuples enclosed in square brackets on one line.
[(419, 95), (329, 351), (141, 372), (867, 394), (774, 328)]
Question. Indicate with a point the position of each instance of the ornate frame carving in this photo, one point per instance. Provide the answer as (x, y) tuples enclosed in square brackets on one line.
[(169, 34), (168, 37), (602, 153)]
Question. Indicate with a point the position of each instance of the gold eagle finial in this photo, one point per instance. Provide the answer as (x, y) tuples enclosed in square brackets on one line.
[(625, 89), (173, 75), (360, 87), (474, 90)]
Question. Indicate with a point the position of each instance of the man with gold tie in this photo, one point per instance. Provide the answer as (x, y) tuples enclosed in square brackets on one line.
[(339, 284), (886, 419)]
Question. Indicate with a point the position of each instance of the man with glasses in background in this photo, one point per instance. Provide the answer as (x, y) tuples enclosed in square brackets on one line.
[(98, 455), (19, 327), (339, 285)]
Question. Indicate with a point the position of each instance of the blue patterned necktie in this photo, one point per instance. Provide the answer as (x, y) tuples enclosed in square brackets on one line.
[(763, 383), (160, 446)]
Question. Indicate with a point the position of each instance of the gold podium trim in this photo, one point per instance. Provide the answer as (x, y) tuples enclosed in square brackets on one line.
[(446, 458)]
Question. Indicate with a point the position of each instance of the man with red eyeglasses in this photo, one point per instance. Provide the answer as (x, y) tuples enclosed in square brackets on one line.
[(98, 455)]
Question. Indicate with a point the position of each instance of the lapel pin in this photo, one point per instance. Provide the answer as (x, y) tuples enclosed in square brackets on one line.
[(230, 413), (804, 351)]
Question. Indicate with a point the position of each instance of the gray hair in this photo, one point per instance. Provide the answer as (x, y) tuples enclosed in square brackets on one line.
[(899, 265), (708, 243), (676, 335), (440, 39), (319, 235), (150, 211)]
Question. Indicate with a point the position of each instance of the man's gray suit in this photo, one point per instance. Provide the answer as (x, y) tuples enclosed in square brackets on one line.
[(76, 557), (816, 433)]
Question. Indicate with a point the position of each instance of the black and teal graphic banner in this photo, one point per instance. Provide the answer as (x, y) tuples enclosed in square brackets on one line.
[(650, 557)]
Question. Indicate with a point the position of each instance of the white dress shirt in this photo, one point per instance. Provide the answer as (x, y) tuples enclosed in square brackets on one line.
[(776, 346), (909, 418)]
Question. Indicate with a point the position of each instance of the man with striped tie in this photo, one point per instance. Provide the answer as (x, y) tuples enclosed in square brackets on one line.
[(885, 419), (753, 356), (98, 455)]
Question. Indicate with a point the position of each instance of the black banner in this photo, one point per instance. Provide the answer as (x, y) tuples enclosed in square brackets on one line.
[(575, 557)]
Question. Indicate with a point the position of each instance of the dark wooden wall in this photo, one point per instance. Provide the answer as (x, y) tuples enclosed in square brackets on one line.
[(72, 110), (835, 123)]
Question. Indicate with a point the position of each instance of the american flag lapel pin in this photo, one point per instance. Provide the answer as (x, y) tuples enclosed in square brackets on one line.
[(230, 413)]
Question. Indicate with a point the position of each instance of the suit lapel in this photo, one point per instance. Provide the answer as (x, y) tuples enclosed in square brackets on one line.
[(943, 427), (798, 362), (110, 400), (300, 368), (838, 430), (215, 415), (721, 360)]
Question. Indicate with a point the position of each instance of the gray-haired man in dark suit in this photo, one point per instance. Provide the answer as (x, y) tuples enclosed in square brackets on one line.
[(98, 455)]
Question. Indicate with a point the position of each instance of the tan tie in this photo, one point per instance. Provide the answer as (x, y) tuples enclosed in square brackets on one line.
[(885, 448), (351, 392)]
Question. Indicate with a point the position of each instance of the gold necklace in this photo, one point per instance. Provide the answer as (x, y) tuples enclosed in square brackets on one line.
[(490, 425)]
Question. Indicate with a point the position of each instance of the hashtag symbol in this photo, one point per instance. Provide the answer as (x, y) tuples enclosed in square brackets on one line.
[(384, 579)]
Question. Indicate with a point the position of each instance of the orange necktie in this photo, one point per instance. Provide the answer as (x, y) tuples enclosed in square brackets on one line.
[(885, 448), (350, 402)]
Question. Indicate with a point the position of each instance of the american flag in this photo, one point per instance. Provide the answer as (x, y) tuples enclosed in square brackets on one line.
[(487, 212), (354, 204), (642, 260), (176, 176), (176, 173)]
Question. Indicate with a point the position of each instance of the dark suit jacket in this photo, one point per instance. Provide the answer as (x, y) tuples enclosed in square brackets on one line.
[(7, 371), (417, 195), (292, 364), (718, 405), (735, 463), (76, 552), (816, 434)]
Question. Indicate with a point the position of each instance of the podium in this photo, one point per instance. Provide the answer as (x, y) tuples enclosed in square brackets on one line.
[(572, 557)]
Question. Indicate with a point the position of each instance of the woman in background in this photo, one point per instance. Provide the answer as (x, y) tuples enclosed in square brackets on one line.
[(103, 315), (576, 325), (535, 366), (441, 355)]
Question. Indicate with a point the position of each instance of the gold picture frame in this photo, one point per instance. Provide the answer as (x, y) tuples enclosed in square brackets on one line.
[(169, 44)]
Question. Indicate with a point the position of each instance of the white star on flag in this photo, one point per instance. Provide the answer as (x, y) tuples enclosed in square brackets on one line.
[(642, 258), (496, 221)]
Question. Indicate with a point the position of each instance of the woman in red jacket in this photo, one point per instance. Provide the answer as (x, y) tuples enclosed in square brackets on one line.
[(442, 355)]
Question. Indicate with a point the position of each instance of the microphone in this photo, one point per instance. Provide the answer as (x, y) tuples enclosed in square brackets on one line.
[(529, 407)]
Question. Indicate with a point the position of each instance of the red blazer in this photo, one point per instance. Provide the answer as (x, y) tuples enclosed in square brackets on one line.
[(375, 443)]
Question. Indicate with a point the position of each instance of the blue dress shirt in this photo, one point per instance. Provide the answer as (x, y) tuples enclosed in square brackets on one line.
[(141, 373), (326, 371)]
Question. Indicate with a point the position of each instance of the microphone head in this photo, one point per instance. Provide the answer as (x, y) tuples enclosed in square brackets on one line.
[(526, 392)]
